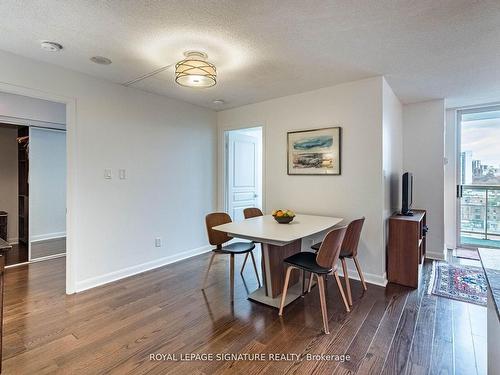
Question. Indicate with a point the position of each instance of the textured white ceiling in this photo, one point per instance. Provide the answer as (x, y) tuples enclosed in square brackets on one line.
[(263, 49)]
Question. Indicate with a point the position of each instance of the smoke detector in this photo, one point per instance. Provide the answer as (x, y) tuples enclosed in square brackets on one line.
[(100, 60), (51, 46)]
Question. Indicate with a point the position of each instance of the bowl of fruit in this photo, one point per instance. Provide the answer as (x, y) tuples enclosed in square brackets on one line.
[(283, 216)]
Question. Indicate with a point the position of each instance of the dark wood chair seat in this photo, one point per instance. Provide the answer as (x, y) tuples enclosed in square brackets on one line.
[(307, 262), (236, 248)]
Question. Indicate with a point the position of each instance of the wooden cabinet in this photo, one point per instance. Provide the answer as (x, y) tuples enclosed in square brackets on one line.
[(406, 248), (3, 225)]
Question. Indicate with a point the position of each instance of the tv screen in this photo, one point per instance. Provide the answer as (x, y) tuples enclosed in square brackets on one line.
[(407, 194)]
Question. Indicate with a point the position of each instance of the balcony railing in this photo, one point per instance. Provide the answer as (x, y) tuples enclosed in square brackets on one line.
[(480, 215)]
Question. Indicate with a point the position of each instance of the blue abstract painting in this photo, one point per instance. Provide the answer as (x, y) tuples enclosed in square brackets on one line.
[(314, 151)]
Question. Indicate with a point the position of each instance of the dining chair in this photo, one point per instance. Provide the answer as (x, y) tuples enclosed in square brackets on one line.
[(219, 239), (322, 263), (349, 249), (248, 213)]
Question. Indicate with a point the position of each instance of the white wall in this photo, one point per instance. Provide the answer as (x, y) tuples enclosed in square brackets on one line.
[(168, 150), (35, 110), (357, 108), (8, 180), (450, 180), (423, 155), (47, 184), (392, 150)]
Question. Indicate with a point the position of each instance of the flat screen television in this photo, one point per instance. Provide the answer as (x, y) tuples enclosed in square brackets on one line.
[(407, 194)]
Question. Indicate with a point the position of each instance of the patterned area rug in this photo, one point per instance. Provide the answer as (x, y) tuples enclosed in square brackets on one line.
[(463, 283), (467, 254)]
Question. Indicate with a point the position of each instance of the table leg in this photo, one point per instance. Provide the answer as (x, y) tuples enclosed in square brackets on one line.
[(274, 270)]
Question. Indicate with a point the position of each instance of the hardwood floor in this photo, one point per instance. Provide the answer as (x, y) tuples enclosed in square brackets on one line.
[(115, 328), (18, 254)]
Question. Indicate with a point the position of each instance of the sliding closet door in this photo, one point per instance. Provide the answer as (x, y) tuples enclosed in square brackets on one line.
[(47, 183)]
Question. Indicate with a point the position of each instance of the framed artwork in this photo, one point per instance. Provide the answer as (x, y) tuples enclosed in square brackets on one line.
[(314, 152)]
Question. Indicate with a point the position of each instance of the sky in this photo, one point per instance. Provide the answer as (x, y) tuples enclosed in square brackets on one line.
[(482, 137)]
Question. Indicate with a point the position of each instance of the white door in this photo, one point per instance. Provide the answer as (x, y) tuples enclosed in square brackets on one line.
[(243, 173)]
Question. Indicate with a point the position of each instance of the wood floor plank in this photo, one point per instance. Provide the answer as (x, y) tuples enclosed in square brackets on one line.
[(375, 357), (463, 345), (397, 359), (442, 348), (422, 344)]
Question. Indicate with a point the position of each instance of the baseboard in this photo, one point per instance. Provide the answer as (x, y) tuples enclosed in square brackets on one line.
[(47, 236), (13, 240), (370, 278), (134, 270), (435, 256)]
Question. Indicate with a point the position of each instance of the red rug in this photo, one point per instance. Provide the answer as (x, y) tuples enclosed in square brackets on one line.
[(463, 283)]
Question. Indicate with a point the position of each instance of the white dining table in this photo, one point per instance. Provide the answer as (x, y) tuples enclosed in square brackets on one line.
[(279, 241)]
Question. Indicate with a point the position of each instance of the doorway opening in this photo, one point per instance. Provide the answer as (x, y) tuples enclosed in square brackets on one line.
[(243, 171), (478, 191), (33, 175)]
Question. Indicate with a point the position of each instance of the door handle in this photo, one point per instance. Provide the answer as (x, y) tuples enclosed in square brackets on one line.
[(460, 191)]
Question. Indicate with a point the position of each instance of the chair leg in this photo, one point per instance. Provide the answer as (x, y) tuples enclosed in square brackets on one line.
[(208, 269), (310, 283), (255, 268), (285, 289), (231, 276), (360, 272), (341, 290), (244, 262), (347, 284), (322, 299)]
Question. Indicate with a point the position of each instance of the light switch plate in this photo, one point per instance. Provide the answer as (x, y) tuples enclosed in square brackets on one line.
[(107, 174), (157, 242), (122, 174)]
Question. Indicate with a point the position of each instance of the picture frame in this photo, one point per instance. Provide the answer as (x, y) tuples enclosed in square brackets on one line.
[(315, 152)]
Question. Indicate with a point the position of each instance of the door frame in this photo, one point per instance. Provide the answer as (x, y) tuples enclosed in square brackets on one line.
[(459, 113), (72, 227), (222, 164)]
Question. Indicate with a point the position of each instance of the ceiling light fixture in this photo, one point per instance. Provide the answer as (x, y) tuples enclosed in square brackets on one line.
[(195, 71), (100, 60), (219, 102), (51, 46)]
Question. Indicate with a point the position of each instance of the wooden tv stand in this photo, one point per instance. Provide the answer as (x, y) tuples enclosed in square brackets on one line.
[(406, 248)]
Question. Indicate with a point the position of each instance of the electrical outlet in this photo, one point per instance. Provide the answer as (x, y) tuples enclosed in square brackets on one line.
[(157, 242)]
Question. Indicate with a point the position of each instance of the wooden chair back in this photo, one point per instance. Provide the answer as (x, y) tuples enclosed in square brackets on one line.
[(329, 252), (216, 237), (252, 212), (352, 235), (2, 275)]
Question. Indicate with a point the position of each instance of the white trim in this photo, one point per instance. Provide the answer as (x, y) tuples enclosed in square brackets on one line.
[(370, 278), (48, 257), (435, 255), (47, 236), (30, 122), (13, 240), (134, 270), (72, 171)]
